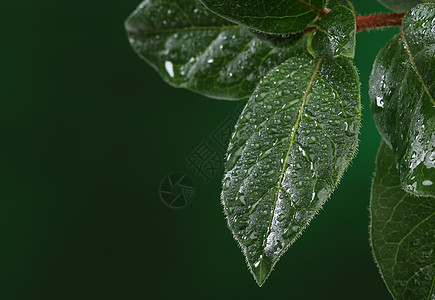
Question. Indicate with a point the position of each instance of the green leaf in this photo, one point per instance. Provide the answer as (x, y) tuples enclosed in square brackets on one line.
[(335, 36), (402, 233), (291, 144), (273, 16), (334, 3), (278, 40), (192, 48), (402, 5), (402, 93)]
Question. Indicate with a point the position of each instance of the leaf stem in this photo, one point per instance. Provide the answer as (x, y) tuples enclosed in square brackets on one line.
[(365, 22), (378, 21)]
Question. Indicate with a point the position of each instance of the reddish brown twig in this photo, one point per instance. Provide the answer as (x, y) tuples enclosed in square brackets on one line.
[(365, 22), (378, 21)]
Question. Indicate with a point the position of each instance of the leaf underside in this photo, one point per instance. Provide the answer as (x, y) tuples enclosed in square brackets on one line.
[(192, 48), (402, 233), (292, 142), (402, 89), (402, 5), (271, 16), (335, 36)]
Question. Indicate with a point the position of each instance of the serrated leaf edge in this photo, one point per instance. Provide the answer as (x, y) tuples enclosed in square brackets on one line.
[(317, 209)]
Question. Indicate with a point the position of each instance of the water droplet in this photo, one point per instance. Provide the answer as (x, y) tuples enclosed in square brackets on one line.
[(323, 193), (227, 183), (210, 60), (281, 218), (169, 68), (295, 228), (258, 261), (352, 129), (427, 182), (379, 102)]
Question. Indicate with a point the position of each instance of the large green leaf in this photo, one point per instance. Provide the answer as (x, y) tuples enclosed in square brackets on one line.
[(291, 144), (271, 16), (402, 93), (402, 5), (192, 48), (402, 233), (335, 35)]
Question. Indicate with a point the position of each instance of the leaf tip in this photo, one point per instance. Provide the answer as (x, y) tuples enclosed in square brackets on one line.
[(261, 269)]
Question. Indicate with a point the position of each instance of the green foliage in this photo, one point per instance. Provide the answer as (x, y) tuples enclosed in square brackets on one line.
[(195, 49), (402, 89), (299, 128), (293, 141), (273, 16), (335, 35), (402, 233)]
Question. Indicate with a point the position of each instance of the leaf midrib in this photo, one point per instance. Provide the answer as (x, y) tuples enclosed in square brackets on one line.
[(294, 129)]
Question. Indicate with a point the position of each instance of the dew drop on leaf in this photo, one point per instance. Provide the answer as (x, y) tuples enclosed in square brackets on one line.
[(169, 68)]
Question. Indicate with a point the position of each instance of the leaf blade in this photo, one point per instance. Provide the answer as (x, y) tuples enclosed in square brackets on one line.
[(192, 48), (335, 36), (278, 16), (402, 233), (290, 132), (401, 92)]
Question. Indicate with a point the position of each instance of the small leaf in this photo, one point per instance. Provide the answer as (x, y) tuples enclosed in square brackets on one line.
[(402, 89), (335, 36), (402, 5), (402, 233), (192, 48), (271, 16), (291, 144)]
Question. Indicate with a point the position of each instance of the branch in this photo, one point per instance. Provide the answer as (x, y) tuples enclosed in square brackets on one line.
[(378, 21), (366, 22)]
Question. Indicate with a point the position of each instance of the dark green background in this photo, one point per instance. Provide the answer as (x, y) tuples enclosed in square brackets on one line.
[(87, 133)]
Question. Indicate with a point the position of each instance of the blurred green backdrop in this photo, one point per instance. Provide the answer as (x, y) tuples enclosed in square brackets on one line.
[(88, 132)]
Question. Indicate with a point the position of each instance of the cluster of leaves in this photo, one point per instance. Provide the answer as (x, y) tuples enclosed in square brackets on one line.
[(299, 128)]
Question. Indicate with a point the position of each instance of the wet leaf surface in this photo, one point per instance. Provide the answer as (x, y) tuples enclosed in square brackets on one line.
[(335, 36), (192, 48), (402, 93), (402, 233), (271, 16), (292, 142)]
